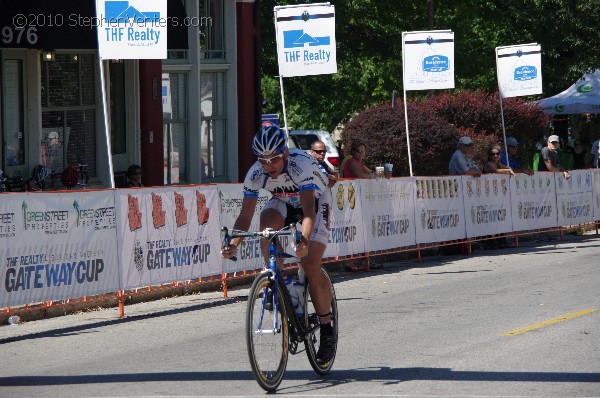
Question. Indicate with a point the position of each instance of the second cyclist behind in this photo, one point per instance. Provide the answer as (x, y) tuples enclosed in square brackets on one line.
[(300, 193)]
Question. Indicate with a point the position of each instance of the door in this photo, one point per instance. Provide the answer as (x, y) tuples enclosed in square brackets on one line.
[(13, 116)]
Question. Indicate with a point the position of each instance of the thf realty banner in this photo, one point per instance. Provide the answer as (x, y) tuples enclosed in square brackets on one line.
[(519, 70), (306, 39), (428, 60), (134, 29)]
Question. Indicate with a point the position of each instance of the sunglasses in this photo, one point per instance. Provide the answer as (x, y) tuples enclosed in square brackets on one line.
[(554, 142), (319, 151), (494, 153), (274, 159), (361, 151)]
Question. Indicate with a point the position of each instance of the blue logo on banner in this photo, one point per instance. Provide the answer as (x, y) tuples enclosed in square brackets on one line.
[(526, 72), (436, 63), (122, 12), (297, 38)]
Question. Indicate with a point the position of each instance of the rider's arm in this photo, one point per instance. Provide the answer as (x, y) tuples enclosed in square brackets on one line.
[(241, 223), (307, 201)]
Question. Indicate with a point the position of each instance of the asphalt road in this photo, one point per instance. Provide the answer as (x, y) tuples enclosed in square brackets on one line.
[(447, 327)]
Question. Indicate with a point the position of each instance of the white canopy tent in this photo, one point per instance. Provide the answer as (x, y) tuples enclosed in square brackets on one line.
[(582, 97)]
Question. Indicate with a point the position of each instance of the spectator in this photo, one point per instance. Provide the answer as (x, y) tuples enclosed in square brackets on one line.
[(549, 158), (494, 165), (461, 162), (595, 152), (52, 152), (134, 176), (511, 148), (354, 167), (318, 150), (579, 156)]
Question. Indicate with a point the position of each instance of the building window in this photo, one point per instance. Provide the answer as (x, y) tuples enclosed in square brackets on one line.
[(212, 30), (13, 113), (118, 138), (213, 126), (69, 112), (175, 130)]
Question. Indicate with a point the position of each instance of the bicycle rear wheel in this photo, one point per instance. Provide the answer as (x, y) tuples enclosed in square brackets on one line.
[(311, 322), (266, 333)]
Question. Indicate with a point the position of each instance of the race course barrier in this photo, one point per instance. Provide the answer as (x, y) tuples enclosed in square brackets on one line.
[(71, 244)]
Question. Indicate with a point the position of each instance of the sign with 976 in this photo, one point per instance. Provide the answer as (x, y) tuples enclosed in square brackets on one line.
[(15, 35)]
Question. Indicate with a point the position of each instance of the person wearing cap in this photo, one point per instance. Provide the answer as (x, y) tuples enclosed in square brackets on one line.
[(52, 152), (461, 162), (511, 148), (549, 160)]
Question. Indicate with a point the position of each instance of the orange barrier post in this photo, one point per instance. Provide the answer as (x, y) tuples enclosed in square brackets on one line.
[(560, 229), (419, 252), (121, 304), (224, 283)]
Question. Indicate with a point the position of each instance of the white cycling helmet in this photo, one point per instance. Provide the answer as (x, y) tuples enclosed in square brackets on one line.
[(269, 139)]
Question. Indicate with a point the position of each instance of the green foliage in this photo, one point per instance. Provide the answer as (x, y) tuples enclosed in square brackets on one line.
[(369, 51), (435, 124)]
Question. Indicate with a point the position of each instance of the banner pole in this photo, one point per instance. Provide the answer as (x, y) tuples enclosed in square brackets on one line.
[(406, 112), (501, 111), (283, 105), (111, 173)]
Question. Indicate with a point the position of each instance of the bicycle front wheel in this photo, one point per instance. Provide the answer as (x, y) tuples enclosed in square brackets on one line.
[(311, 323), (266, 332)]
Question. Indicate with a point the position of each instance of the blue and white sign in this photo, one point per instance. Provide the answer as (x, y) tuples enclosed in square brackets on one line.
[(306, 39), (519, 70), (133, 29), (428, 60)]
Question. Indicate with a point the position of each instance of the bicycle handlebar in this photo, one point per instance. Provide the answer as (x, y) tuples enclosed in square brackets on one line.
[(267, 233)]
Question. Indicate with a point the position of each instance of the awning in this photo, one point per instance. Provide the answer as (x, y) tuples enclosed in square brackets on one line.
[(69, 24)]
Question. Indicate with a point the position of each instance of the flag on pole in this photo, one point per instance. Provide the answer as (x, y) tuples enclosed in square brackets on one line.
[(519, 70), (305, 39), (134, 29), (428, 59)]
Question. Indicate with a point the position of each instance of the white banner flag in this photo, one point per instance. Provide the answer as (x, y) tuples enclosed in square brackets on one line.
[(533, 200), (439, 213), (487, 205), (519, 70), (574, 198), (306, 39), (133, 29), (388, 213), (428, 59)]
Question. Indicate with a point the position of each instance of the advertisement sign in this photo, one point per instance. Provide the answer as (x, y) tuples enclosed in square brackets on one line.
[(249, 255), (57, 246), (574, 198), (596, 192), (487, 205), (347, 232), (388, 213), (428, 59), (533, 200), (439, 212), (305, 39), (519, 70), (133, 29), (167, 234)]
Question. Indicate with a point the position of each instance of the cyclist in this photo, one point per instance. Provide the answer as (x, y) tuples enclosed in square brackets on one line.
[(300, 193)]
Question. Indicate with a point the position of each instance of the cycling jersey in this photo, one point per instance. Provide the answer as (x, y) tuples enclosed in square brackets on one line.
[(300, 173)]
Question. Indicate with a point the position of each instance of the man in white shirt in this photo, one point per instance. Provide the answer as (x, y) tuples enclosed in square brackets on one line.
[(461, 162)]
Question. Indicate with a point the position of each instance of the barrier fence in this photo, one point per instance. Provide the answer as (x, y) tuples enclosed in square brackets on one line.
[(65, 245)]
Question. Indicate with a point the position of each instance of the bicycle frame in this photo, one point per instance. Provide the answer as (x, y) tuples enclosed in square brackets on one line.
[(299, 333)]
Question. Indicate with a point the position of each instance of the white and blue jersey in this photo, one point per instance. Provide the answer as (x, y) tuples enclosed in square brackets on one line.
[(300, 173)]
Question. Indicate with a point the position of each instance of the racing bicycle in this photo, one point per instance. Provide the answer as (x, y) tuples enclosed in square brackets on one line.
[(273, 330)]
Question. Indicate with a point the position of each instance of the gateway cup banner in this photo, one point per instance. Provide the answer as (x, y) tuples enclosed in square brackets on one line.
[(134, 29), (57, 246), (574, 199), (487, 205), (306, 39), (428, 60), (533, 200), (519, 70), (167, 234)]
